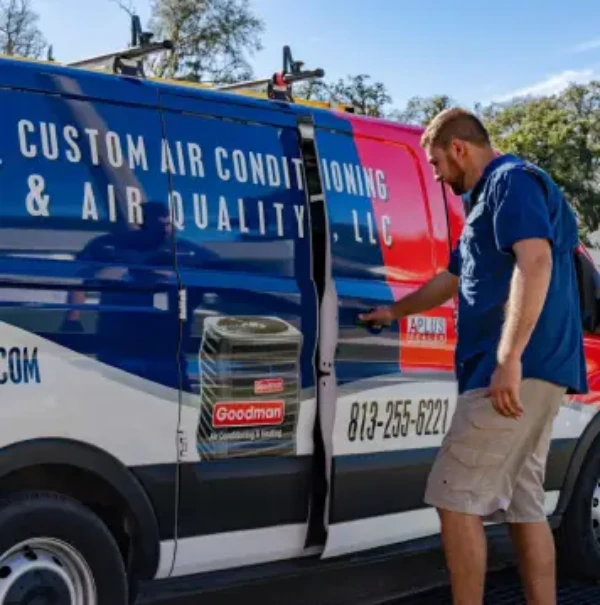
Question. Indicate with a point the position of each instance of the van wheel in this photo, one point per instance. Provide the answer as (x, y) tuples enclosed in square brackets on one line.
[(55, 550), (578, 537)]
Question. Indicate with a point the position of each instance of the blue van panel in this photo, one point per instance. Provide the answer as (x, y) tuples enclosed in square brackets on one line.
[(242, 228), (225, 105), (85, 247), (77, 83)]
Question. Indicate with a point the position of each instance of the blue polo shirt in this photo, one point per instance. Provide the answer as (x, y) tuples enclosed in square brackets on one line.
[(508, 204)]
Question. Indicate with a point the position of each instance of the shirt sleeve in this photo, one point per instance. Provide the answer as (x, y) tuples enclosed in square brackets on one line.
[(454, 262), (520, 210)]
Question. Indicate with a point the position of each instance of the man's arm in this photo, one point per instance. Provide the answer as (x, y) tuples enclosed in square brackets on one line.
[(523, 229), (432, 294), (528, 289)]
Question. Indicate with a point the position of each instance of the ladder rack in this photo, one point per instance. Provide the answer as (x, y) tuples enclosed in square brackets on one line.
[(129, 62)]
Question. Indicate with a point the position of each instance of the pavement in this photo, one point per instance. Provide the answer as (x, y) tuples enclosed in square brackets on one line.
[(503, 588)]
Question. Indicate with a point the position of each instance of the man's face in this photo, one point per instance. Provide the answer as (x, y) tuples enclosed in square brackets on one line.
[(446, 166)]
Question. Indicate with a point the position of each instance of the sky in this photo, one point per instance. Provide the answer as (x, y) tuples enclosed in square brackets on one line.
[(472, 52)]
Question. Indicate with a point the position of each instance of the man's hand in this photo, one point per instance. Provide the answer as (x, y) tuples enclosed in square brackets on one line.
[(382, 316), (505, 387)]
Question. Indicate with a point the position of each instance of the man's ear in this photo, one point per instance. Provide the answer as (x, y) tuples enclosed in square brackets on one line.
[(459, 149), (456, 151)]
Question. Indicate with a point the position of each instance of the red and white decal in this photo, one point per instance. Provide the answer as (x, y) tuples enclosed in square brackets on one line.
[(247, 413), (268, 386), (427, 329)]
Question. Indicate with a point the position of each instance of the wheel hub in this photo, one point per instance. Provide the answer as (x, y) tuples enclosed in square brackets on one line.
[(39, 587), (45, 572), (595, 517)]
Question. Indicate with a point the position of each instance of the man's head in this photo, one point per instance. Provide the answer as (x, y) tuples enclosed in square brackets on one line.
[(458, 147)]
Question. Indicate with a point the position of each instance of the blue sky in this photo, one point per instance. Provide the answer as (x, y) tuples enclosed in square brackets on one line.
[(461, 48)]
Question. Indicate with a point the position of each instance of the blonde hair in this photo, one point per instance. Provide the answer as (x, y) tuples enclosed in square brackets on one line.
[(455, 123)]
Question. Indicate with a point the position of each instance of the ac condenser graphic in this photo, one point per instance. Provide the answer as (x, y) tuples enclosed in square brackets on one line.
[(250, 387)]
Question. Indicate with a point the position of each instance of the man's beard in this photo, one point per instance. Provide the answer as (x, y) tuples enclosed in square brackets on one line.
[(457, 184), (457, 188)]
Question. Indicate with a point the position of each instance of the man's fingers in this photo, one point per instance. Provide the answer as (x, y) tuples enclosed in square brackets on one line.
[(514, 402), (503, 404), (498, 402)]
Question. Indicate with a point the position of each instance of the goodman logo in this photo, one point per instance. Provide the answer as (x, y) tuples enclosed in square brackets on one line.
[(247, 413), (268, 386)]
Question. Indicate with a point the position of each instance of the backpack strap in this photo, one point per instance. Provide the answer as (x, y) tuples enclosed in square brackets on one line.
[(587, 277)]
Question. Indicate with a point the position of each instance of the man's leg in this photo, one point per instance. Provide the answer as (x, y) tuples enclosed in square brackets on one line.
[(477, 473), (466, 553), (535, 549), (462, 488), (530, 532)]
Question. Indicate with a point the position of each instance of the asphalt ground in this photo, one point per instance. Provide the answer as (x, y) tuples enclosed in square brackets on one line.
[(503, 588)]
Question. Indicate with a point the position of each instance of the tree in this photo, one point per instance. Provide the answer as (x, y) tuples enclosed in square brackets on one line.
[(421, 110), (561, 134), (211, 38), (19, 31), (313, 90), (369, 98)]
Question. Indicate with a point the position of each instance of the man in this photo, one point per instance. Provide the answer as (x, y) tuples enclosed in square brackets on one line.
[(520, 348)]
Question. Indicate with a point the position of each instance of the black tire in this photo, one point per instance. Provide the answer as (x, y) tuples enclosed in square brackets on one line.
[(578, 549), (48, 515)]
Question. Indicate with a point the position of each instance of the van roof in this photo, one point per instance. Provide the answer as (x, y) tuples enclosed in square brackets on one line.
[(203, 91)]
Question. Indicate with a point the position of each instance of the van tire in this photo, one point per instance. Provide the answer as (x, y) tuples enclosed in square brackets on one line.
[(578, 549), (25, 517)]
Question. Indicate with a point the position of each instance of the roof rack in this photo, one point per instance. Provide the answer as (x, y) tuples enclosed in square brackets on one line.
[(279, 85), (129, 61)]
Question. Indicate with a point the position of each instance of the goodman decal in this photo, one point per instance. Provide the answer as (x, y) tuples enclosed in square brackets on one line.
[(269, 173), (247, 413), (19, 365), (250, 387)]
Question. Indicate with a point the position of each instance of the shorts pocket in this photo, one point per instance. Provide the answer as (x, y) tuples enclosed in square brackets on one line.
[(471, 470), (489, 431)]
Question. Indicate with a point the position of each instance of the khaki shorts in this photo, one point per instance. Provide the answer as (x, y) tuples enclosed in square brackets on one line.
[(493, 466)]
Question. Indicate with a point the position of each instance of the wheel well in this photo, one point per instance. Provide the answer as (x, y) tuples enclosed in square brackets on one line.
[(86, 487), (588, 442)]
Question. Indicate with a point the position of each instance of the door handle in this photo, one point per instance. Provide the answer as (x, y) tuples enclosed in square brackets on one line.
[(371, 326)]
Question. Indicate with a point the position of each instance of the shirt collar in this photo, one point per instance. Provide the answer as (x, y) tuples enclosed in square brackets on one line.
[(492, 165)]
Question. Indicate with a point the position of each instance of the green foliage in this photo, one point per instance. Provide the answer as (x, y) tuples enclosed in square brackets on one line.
[(212, 39), (419, 111), (560, 133), (369, 98)]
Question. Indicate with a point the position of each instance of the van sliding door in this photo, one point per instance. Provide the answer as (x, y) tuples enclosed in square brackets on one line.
[(248, 331)]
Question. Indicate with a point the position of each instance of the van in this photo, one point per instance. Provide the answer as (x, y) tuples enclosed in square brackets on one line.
[(187, 396)]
